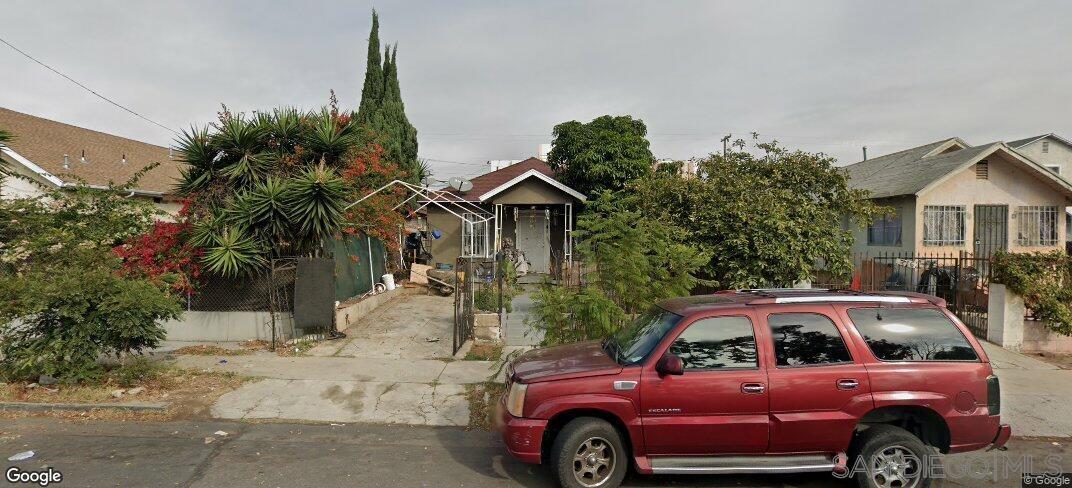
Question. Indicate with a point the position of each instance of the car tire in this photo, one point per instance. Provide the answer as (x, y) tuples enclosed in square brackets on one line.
[(890, 456), (588, 453)]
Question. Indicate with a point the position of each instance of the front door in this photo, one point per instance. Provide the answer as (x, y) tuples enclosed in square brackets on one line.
[(534, 239), (719, 406), (991, 230), (818, 388)]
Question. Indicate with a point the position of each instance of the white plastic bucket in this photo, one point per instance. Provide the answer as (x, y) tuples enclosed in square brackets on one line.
[(389, 281)]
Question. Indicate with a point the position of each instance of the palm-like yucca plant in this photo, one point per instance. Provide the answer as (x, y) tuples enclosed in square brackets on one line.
[(263, 210), (5, 137), (328, 139), (202, 166), (284, 129), (314, 201), (245, 153), (233, 254)]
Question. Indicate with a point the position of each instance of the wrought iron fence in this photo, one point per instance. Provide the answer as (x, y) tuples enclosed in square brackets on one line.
[(480, 288), (961, 279)]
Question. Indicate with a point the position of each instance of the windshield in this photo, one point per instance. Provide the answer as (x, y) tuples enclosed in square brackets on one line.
[(634, 342)]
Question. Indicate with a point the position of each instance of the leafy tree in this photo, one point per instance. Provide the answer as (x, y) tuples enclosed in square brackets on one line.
[(604, 154), (64, 297), (765, 220), (631, 262)]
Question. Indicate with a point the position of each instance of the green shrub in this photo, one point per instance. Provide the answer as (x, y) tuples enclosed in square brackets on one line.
[(59, 322), (1044, 280), (134, 370)]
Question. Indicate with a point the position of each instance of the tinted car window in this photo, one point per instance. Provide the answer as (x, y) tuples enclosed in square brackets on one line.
[(718, 342), (632, 343), (802, 339), (911, 334)]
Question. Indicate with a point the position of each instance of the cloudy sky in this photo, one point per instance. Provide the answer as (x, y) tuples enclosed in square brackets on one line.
[(488, 80)]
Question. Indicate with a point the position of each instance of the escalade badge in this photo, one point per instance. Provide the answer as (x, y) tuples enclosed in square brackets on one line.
[(664, 410)]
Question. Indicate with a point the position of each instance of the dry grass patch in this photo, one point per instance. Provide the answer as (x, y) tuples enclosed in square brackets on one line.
[(482, 398), (484, 352), (210, 350)]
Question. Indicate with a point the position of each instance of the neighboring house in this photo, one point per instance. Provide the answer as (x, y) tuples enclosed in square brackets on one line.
[(950, 197), (54, 155), (522, 204), (1054, 153)]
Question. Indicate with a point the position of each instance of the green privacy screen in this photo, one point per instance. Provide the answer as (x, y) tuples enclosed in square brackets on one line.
[(353, 257)]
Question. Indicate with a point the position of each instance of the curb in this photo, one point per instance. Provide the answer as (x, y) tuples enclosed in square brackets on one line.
[(84, 407)]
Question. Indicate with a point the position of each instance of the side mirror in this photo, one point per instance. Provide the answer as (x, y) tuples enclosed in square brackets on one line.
[(670, 364)]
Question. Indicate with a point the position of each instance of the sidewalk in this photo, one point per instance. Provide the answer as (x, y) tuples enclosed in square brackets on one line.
[(1036, 396), (394, 367)]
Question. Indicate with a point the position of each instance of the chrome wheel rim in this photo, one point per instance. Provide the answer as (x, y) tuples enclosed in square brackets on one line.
[(593, 462), (895, 467)]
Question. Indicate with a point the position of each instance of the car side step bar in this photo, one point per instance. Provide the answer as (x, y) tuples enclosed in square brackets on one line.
[(808, 463)]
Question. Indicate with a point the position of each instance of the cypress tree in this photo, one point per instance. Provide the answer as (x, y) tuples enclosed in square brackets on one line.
[(372, 92)]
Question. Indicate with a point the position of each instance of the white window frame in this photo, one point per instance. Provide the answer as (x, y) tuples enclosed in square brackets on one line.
[(475, 237), (944, 225), (1037, 225)]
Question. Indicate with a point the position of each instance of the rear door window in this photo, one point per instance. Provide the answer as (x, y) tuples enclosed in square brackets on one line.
[(806, 339), (717, 343), (911, 334)]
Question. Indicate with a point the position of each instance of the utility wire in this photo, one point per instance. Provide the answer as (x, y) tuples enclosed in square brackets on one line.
[(86, 88)]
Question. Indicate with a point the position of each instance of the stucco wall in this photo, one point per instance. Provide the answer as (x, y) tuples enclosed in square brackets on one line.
[(447, 248), (1058, 155), (533, 192), (1007, 185), (905, 206)]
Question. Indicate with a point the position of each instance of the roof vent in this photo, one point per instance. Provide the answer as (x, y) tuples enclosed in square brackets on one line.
[(982, 170)]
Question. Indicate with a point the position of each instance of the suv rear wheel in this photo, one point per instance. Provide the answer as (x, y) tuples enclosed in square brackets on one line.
[(891, 457), (588, 453)]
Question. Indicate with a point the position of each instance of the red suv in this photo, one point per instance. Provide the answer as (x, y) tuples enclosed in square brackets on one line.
[(760, 381)]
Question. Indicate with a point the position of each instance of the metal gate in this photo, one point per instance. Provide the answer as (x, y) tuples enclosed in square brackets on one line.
[(479, 288), (991, 230)]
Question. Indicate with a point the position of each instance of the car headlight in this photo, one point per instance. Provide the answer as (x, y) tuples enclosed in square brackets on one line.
[(515, 401)]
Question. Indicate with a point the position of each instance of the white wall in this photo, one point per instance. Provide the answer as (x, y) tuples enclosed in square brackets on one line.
[(1058, 154)]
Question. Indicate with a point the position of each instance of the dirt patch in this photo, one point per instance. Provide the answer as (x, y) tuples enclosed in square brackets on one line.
[(190, 393), (484, 352), (210, 350), (482, 398), (1063, 361)]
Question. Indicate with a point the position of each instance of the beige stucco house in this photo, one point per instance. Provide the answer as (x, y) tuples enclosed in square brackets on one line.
[(951, 197), (53, 155), (521, 205)]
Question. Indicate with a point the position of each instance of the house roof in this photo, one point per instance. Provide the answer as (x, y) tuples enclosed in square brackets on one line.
[(490, 184), (914, 170), (43, 142), (1017, 144)]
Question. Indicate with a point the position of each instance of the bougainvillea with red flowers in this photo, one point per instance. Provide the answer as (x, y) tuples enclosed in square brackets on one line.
[(365, 171), (164, 254)]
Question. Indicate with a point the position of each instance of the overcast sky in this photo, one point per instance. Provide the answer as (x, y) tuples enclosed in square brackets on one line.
[(488, 80)]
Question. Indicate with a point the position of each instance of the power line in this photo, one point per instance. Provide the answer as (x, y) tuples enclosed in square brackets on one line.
[(86, 88)]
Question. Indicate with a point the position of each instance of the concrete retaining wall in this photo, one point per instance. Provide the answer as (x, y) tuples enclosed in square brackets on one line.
[(487, 328), (1007, 328), (352, 311), (228, 326)]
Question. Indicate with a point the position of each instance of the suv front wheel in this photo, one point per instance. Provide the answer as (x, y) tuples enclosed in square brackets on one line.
[(891, 457), (588, 453)]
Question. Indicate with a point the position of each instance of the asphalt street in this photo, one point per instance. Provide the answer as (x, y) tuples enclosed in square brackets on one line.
[(143, 454)]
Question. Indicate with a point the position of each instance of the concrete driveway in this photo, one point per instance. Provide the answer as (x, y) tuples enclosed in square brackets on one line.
[(394, 366), (1036, 396)]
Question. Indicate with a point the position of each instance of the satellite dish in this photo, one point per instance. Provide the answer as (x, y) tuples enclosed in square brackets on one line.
[(455, 182), (429, 180), (465, 186)]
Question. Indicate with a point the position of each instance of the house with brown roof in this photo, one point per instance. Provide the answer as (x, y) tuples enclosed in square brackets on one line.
[(949, 197), (55, 155), (521, 205)]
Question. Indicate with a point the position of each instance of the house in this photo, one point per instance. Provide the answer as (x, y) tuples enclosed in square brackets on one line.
[(521, 205), (1054, 153), (950, 197), (54, 155)]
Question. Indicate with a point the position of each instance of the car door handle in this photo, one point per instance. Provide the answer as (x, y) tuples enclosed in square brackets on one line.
[(847, 384), (752, 388)]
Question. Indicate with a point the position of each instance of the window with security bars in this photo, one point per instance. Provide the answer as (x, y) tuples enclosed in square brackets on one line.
[(1036, 225), (943, 225), (474, 236)]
